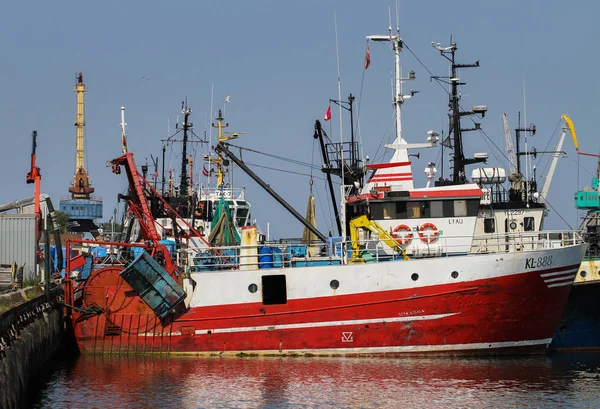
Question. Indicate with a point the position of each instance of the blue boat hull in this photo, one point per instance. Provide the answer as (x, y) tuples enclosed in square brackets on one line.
[(579, 328)]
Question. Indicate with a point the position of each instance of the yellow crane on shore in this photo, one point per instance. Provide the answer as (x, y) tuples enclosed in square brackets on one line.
[(80, 187)]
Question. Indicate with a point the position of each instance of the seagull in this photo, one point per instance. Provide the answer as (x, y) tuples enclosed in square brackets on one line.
[(227, 98), (145, 78)]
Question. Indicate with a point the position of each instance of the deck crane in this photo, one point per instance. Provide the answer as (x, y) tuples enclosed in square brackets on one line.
[(80, 188), (139, 205), (514, 176), (568, 126)]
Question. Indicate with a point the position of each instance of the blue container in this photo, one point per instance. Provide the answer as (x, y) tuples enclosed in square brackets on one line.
[(99, 251), (170, 245), (153, 284), (277, 257), (229, 258), (137, 251), (297, 250), (265, 257), (334, 247), (86, 270)]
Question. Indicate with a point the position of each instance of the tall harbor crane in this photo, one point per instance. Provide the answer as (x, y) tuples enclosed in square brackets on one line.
[(81, 188), (82, 207)]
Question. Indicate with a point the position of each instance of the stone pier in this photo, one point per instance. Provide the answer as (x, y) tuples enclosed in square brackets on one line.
[(31, 334)]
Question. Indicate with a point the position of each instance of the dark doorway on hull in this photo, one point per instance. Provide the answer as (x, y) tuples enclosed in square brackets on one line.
[(274, 290)]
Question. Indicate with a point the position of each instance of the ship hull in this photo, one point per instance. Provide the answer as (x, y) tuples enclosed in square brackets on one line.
[(579, 327), (475, 304)]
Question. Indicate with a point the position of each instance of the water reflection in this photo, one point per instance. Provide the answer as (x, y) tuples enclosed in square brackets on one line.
[(182, 382)]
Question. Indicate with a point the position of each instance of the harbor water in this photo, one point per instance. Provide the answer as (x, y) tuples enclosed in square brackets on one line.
[(557, 381)]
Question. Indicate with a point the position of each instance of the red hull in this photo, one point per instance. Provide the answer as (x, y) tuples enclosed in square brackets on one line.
[(502, 314)]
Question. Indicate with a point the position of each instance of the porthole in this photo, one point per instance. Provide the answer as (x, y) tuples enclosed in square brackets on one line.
[(334, 284), (414, 277), (583, 274), (253, 288), (513, 225), (454, 274)]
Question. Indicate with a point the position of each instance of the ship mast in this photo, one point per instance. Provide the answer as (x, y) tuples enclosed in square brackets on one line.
[(222, 137), (459, 160), (399, 98), (81, 188), (183, 185)]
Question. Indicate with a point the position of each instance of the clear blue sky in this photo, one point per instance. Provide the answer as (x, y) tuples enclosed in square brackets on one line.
[(277, 60)]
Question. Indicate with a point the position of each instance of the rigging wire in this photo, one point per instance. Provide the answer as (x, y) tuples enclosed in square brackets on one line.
[(558, 214), (579, 167), (294, 161), (283, 171), (546, 147)]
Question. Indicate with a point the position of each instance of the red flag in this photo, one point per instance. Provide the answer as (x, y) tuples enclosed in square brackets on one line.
[(328, 114), (368, 57), (204, 171)]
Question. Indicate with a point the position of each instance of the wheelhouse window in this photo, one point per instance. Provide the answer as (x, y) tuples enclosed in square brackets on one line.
[(413, 210), (472, 207), (460, 208), (489, 225), (388, 210), (528, 224), (401, 210), (437, 208)]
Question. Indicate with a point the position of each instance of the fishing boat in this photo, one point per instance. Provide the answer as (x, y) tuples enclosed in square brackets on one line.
[(411, 278), (579, 327)]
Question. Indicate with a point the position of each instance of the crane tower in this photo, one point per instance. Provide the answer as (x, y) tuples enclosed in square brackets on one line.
[(81, 188), (82, 207)]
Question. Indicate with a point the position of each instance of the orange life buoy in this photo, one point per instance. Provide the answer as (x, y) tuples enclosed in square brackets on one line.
[(199, 211), (402, 238), (429, 238)]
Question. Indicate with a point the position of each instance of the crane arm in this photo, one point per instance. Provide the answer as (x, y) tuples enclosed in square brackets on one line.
[(372, 226), (572, 130), (141, 207), (552, 168), (508, 144)]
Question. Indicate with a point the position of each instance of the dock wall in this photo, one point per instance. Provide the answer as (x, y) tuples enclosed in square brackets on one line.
[(30, 336)]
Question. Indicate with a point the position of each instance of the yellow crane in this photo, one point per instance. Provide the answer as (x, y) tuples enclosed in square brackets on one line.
[(80, 187), (373, 227)]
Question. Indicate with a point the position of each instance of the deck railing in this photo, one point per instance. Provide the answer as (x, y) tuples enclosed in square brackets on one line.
[(283, 255)]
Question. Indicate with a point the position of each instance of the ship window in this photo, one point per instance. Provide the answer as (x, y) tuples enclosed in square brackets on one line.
[(400, 210), (437, 208), (425, 209), (528, 224), (472, 207), (448, 206), (385, 210), (413, 210), (376, 211), (489, 225), (241, 216), (388, 210), (460, 208), (274, 290)]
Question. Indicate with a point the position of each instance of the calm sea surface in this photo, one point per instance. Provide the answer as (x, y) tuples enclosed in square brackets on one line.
[(559, 381)]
